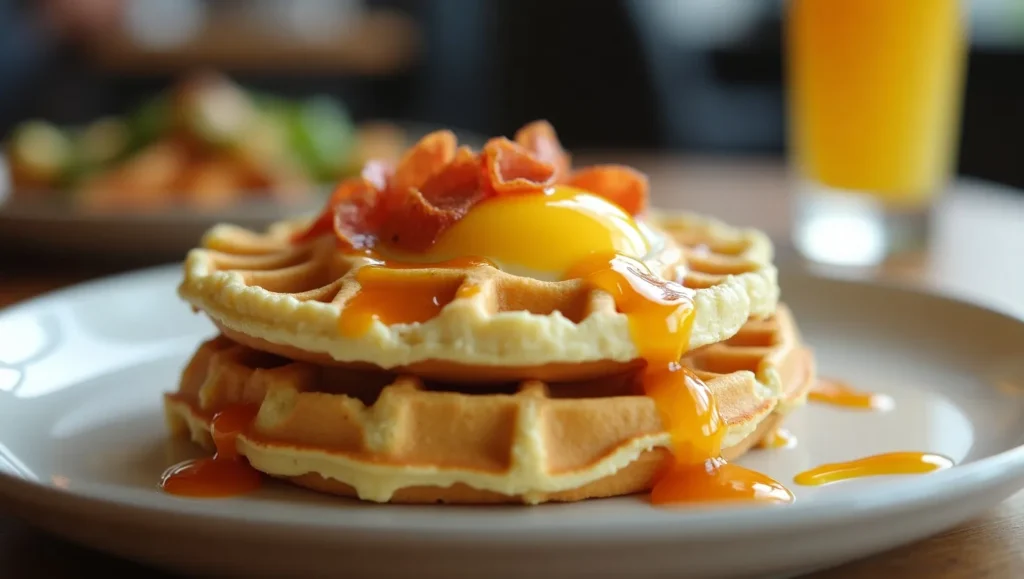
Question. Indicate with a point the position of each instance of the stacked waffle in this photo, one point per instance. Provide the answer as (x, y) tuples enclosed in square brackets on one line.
[(470, 381)]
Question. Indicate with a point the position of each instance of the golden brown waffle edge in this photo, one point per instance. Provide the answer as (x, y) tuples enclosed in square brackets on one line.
[(267, 294)]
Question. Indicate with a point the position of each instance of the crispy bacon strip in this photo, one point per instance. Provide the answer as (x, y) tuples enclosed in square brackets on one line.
[(619, 184), (414, 224), (417, 217), (509, 168), (459, 180), (436, 182), (539, 138), (424, 160), (356, 219), (351, 195)]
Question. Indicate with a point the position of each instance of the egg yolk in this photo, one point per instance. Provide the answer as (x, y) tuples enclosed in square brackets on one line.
[(547, 233)]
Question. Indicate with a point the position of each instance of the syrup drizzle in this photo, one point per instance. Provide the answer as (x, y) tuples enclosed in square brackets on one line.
[(225, 474), (892, 463), (839, 393), (661, 315)]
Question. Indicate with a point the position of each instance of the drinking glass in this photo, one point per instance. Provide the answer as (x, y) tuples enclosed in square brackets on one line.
[(874, 90)]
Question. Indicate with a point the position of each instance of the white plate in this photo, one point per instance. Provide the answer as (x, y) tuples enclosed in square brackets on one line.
[(82, 445)]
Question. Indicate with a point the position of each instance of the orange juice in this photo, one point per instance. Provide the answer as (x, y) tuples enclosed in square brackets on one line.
[(874, 94)]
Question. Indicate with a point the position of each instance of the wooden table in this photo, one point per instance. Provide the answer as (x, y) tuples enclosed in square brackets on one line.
[(978, 235)]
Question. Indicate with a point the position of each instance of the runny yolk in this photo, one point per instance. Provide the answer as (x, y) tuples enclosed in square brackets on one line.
[(545, 233), (391, 297), (839, 393), (891, 463), (226, 473), (716, 480), (660, 314)]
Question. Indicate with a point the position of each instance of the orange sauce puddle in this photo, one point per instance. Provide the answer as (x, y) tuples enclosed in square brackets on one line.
[(226, 473), (394, 298), (716, 480), (661, 315), (838, 393), (891, 463), (779, 438)]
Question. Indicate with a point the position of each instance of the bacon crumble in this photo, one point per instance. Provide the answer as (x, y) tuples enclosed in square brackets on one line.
[(409, 205)]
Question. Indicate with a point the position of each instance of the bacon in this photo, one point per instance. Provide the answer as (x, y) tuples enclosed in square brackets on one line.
[(357, 218), (414, 223), (509, 168), (458, 181), (424, 160), (539, 138), (416, 217), (622, 185), (410, 204), (355, 198)]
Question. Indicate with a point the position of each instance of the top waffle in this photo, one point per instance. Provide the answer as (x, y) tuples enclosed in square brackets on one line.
[(267, 293), (499, 265)]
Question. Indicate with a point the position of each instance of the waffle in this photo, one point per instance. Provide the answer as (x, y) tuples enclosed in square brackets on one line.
[(384, 438), (772, 349), (270, 295)]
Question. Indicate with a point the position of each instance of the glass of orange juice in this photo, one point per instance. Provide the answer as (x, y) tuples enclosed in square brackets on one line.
[(874, 92)]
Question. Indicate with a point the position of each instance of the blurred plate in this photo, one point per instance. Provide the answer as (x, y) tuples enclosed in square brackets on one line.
[(51, 223), (30, 225)]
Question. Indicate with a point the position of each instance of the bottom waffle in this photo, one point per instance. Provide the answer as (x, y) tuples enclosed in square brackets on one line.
[(386, 438)]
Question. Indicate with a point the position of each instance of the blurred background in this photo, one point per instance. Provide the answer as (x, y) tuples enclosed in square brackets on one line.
[(338, 80), (688, 74)]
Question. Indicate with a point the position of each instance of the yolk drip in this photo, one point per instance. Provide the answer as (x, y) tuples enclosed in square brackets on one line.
[(661, 315), (547, 233), (880, 464), (394, 298), (660, 312), (839, 393), (226, 473), (716, 480)]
